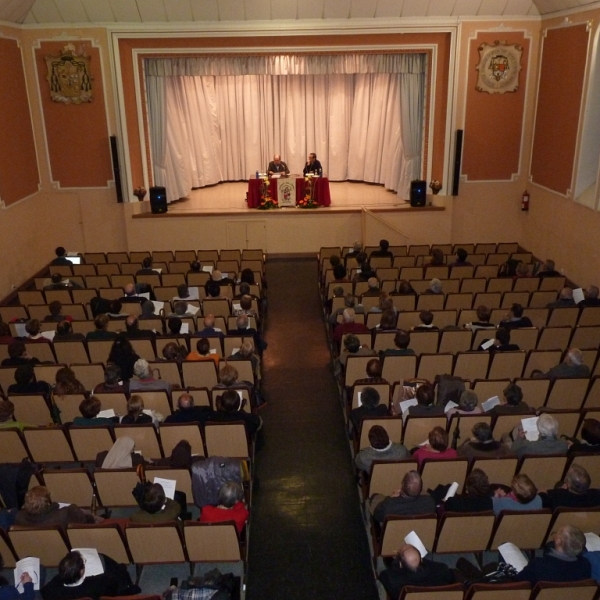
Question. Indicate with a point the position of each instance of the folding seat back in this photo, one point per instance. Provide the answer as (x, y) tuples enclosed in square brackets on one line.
[(212, 542), (114, 487), (554, 338), (396, 528), (525, 337), (507, 365), (48, 543), (404, 261), (31, 409), (393, 426), (416, 429), (542, 298), (499, 284), (144, 348), (544, 471), (464, 532), (510, 298), (13, 447), (106, 269), (459, 301), (356, 368), (424, 342), (471, 365), (526, 284), (90, 375), (586, 336), (462, 272), (27, 298), (386, 476), (395, 368), (498, 470), (172, 433), (43, 352), (71, 352), (541, 360), (173, 279), (404, 302), (488, 388), (207, 256), (590, 316), (481, 335), (538, 316), (431, 365), (219, 307), (155, 544), (144, 437), (380, 261), (561, 317), (6, 551), (504, 424), (534, 390), (227, 439), (100, 349), (438, 271), (8, 313), (487, 271), (68, 406), (108, 539), (497, 258), (489, 299), (199, 373), (62, 296), (567, 394), (71, 486), (582, 590), (49, 445), (466, 316), (553, 283), (455, 341), (169, 371), (440, 472), (526, 529), (87, 442), (431, 302)]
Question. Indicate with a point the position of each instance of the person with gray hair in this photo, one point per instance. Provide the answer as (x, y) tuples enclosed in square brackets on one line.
[(350, 301), (468, 404), (230, 507), (575, 491), (406, 500), (145, 381), (565, 299), (348, 326), (482, 444), (548, 270), (591, 297), (435, 287), (548, 441), (562, 560), (571, 367)]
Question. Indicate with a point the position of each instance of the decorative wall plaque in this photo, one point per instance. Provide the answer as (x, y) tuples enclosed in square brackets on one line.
[(69, 76), (499, 67)]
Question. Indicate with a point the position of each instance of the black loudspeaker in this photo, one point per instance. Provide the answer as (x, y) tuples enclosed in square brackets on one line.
[(158, 199), (457, 160), (116, 168), (418, 192)]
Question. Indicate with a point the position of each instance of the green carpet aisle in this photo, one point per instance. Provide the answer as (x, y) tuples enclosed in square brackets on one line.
[(307, 538)]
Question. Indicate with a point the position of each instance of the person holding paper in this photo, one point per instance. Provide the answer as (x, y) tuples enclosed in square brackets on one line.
[(482, 444), (230, 507), (10, 592), (202, 352), (277, 166), (89, 409), (131, 295), (511, 402), (468, 404), (548, 442), (409, 568), (522, 496), (75, 581), (155, 507), (381, 448), (425, 396), (476, 497), (562, 560), (501, 343)]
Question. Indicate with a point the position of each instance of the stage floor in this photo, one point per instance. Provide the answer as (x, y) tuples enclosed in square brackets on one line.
[(230, 198)]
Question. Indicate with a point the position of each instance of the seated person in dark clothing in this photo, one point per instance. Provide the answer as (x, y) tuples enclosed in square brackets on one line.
[(229, 409), (365, 273), (155, 507), (186, 411), (374, 371), (562, 560), (501, 343), (61, 259), (17, 355), (101, 332), (409, 568), (406, 500), (25, 384), (482, 444), (112, 382), (114, 311), (123, 355), (135, 412), (426, 318), (133, 329), (89, 409), (71, 581), (380, 448), (516, 318), (590, 438), (58, 283), (574, 492), (425, 397), (571, 367), (39, 510), (548, 270), (209, 328), (461, 259), (565, 299), (402, 342), (55, 308), (591, 297), (511, 402), (477, 495), (146, 267), (370, 407), (64, 333), (131, 295), (384, 250), (484, 314), (34, 328)]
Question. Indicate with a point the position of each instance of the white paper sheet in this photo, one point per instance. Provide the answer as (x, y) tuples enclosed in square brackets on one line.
[(490, 403), (158, 306), (487, 345), (31, 566), (194, 293), (450, 405), (414, 540), (578, 295), (49, 335), (406, 404), (592, 542), (451, 491), (236, 306), (108, 413), (168, 486), (192, 309), (212, 351), (93, 564), (513, 556), (530, 428), (185, 329), (144, 295), (20, 330), (359, 398), (207, 268)]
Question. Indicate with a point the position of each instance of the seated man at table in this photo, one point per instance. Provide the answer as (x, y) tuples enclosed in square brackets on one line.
[(313, 165), (277, 166)]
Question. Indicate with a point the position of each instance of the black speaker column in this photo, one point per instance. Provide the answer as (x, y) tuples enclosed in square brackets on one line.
[(457, 160), (418, 192), (158, 199), (116, 168)]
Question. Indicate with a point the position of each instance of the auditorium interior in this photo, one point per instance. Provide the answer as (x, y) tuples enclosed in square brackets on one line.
[(517, 165)]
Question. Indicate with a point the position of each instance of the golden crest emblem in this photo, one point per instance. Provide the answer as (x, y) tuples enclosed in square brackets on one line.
[(499, 67), (69, 76)]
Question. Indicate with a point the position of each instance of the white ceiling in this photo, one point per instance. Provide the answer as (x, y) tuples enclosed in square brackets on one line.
[(181, 11)]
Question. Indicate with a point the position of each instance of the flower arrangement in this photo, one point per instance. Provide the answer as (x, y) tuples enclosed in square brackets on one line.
[(308, 201), (266, 202), (140, 192), (435, 186)]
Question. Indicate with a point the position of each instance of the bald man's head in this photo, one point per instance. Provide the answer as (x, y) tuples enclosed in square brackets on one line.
[(185, 402), (409, 557), (129, 289)]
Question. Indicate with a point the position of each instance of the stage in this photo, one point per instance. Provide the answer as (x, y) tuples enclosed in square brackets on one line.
[(218, 217)]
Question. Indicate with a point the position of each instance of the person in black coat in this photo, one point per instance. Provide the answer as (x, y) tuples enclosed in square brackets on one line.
[(312, 165)]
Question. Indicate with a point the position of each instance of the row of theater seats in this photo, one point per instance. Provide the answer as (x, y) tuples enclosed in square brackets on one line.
[(167, 256), (467, 365), (59, 444)]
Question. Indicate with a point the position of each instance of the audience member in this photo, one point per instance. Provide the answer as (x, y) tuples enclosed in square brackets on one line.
[(135, 412), (230, 408), (574, 492), (435, 287), (203, 352), (381, 448), (383, 251), (511, 402), (89, 409), (571, 367), (591, 297), (230, 507), (548, 270), (482, 444), (565, 299), (39, 510), (209, 328), (61, 259), (101, 332), (186, 411), (18, 355), (590, 438), (145, 381), (131, 296), (437, 258), (369, 407), (461, 259), (426, 318), (425, 396), (112, 382), (436, 448), (548, 442), (64, 333), (25, 384), (501, 343), (522, 496), (515, 319), (34, 330), (58, 283), (348, 326), (66, 383), (468, 404), (351, 346), (155, 507), (133, 331), (476, 497), (55, 309), (484, 314), (374, 371), (123, 355), (7, 414), (401, 341)]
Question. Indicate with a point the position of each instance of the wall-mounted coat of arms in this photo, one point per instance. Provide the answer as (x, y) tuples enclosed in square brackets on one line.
[(499, 67), (69, 76)]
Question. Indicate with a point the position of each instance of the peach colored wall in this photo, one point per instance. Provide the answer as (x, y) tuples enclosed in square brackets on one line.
[(19, 175), (395, 42), (494, 122), (562, 77), (77, 134)]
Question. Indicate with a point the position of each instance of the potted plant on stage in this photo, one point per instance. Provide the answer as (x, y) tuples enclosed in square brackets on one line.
[(266, 202), (140, 192), (435, 186), (309, 188)]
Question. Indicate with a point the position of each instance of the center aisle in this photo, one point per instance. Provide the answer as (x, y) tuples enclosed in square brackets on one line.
[(307, 537)]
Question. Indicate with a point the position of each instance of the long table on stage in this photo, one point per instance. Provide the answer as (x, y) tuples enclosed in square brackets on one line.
[(320, 192)]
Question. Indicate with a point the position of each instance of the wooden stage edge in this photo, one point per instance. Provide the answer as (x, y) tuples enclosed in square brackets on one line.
[(181, 212)]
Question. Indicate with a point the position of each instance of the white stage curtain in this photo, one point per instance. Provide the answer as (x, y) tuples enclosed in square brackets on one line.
[(210, 122)]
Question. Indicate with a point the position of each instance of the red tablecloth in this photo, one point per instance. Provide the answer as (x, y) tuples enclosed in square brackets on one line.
[(321, 191)]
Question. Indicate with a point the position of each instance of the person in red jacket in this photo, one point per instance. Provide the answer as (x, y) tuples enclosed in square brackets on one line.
[(230, 508)]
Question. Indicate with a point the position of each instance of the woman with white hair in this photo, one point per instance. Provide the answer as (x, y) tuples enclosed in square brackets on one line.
[(548, 441), (230, 507)]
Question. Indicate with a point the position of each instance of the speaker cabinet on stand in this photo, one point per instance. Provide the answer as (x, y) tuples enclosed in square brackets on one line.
[(418, 192), (158, 200)]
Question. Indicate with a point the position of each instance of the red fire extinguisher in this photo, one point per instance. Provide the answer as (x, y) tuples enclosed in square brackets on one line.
[(525, 201)]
